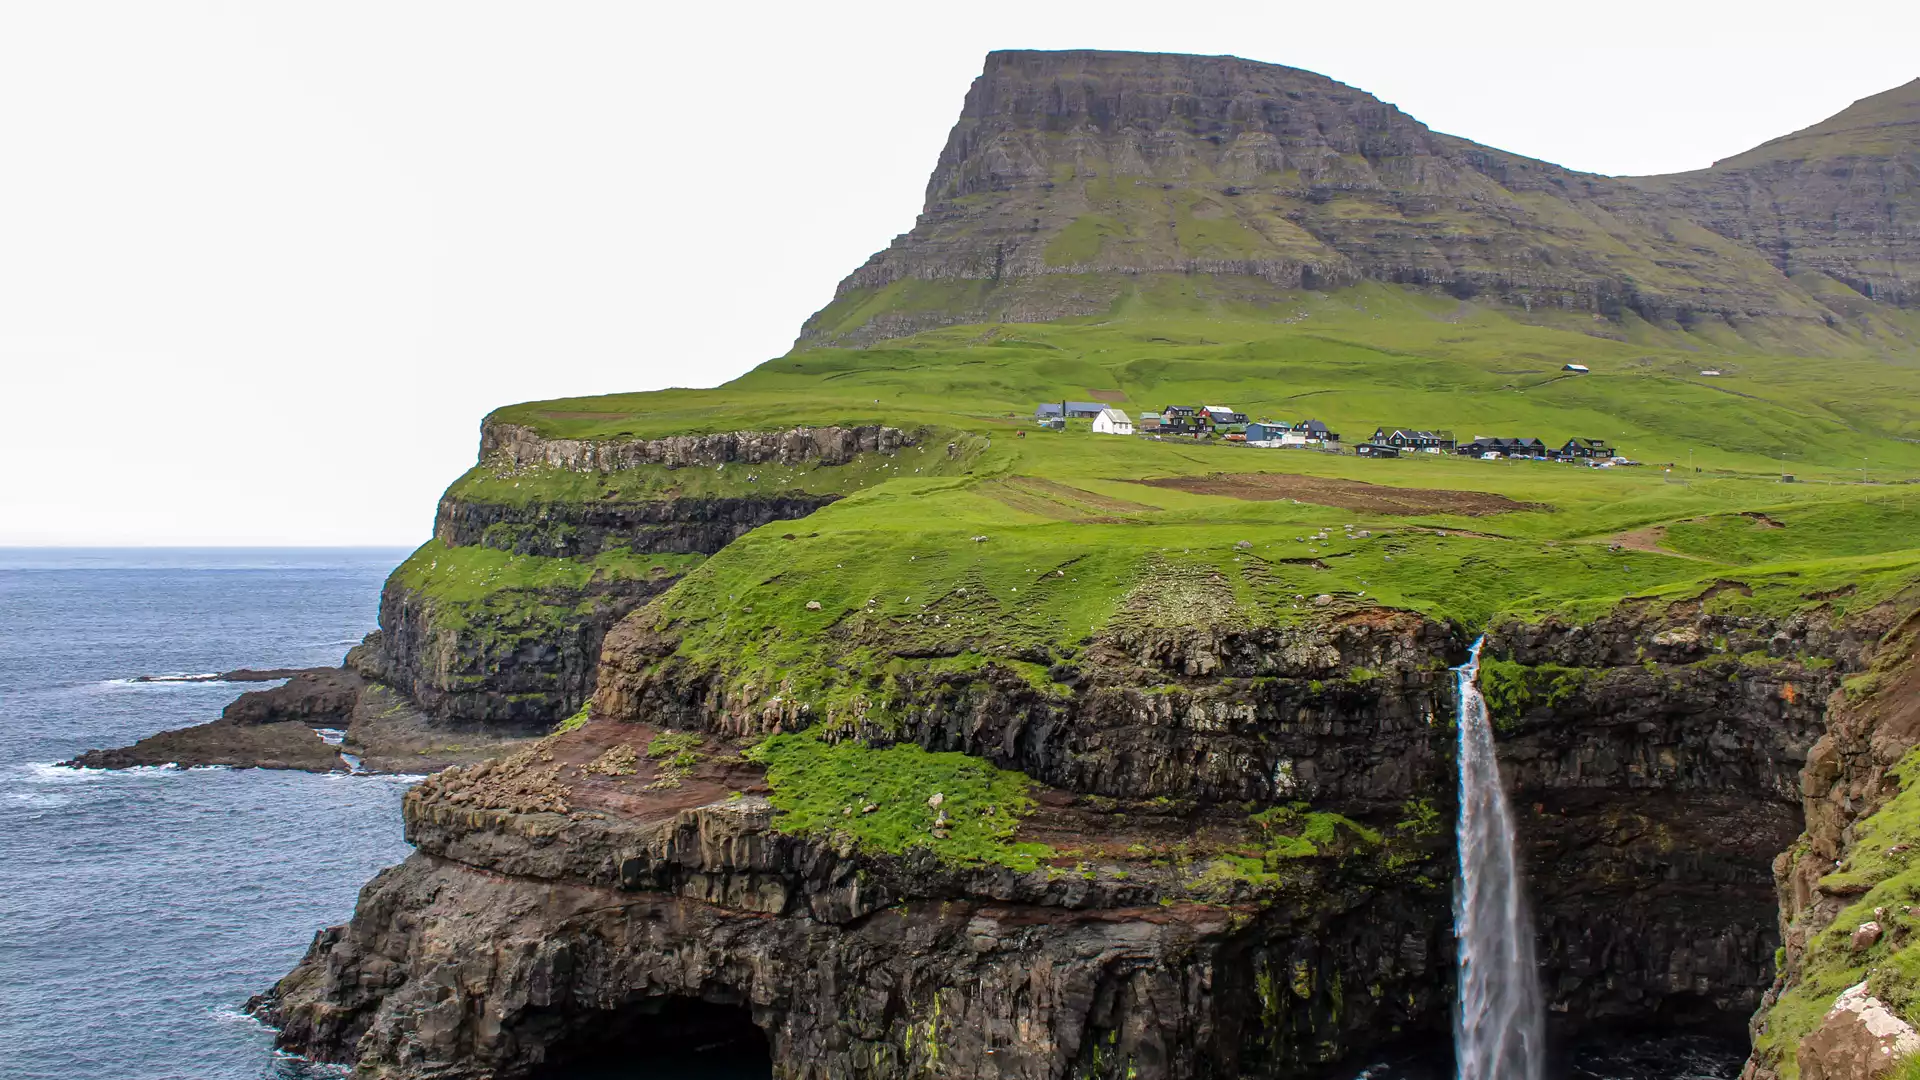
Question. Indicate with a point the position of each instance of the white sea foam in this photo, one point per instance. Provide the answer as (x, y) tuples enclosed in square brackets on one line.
[(48, 772), (158, 682), (235, 1016), (312, 1067), (52, 773)]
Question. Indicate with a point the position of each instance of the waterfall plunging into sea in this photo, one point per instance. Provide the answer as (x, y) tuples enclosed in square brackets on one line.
[(1499, 1022)]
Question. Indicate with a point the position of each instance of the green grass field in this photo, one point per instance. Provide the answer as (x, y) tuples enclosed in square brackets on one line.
[(1077, 541), (1355, 359)]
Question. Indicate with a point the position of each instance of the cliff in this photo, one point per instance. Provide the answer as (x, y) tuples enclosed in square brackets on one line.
[(1130, 916), (1077, 182), (549, 542), (1846, 991)]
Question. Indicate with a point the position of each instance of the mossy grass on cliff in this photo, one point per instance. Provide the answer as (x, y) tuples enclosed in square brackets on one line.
[(464, 579), (1881, 876), (1280, 836), (488, 603), (895, 798), (1512, 689)]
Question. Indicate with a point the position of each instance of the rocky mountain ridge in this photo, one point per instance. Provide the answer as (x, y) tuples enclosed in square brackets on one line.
[(1074, 180), (1839, 200)]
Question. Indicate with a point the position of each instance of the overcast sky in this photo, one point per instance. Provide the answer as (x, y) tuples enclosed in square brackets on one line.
[(264, 266)]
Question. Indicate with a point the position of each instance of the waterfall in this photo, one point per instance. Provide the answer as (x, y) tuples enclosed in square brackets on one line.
[(1499, 1023)]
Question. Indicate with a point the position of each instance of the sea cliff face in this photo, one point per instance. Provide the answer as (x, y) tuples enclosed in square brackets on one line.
[(523, 650), (554, 893)]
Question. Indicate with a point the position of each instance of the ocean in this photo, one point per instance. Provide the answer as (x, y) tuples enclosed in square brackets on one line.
[(139, 910)]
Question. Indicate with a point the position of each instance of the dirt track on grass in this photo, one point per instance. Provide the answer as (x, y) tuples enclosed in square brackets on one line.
[(1345, 494)]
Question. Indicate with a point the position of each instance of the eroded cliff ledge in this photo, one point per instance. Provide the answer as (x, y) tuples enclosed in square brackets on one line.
[(1235, 863)]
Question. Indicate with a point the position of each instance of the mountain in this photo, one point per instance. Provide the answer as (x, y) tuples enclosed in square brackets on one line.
[(1078, 181), (1840, 199)]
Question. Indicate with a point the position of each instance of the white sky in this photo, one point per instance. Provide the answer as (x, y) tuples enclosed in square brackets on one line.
[(264, 266)]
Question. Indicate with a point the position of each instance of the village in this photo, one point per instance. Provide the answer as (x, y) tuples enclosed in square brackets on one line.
[(1223, 422)]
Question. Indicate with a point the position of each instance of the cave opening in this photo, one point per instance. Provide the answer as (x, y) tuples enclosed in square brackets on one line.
[(675, 1038)]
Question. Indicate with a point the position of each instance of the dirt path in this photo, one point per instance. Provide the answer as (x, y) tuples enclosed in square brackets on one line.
[(1046, 498)]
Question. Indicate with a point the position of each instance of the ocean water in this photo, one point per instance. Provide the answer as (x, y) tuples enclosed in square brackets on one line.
[(139, 910)]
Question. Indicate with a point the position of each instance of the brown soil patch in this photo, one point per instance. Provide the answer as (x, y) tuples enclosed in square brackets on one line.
[(1107, 395), (1345, 494), (604, 767), (1648, 538), (1644, 539)]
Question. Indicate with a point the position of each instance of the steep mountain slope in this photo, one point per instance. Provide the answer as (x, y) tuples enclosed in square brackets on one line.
[(1073, 179), (1840, 199)]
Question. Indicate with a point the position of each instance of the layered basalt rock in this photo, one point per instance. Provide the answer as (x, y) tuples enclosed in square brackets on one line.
[(502, 666), (499, 667), (1840, 199), (519, 446), (1653, 759), (1654, 785), (1072, 177), (574, 530), (517, 932), (1257, 714)]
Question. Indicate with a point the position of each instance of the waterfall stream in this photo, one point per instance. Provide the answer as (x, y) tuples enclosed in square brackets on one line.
[(1499, 1022)]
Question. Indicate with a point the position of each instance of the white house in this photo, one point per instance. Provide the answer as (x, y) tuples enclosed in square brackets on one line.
[(1577, 369), (1112, 422)]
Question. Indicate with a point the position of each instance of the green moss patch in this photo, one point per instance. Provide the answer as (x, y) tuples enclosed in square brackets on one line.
[(821, 789), (1512, 689)]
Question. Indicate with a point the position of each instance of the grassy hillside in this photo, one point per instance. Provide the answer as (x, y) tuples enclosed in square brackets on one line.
[(1083, 531), (1356, 358)]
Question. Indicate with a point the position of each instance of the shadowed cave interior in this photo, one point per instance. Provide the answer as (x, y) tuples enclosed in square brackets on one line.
[(675, 1038)]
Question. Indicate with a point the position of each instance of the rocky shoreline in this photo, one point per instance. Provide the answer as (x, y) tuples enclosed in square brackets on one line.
[(319, 720)]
